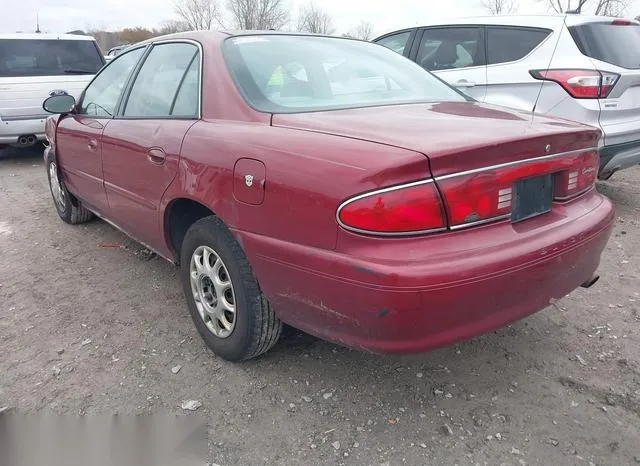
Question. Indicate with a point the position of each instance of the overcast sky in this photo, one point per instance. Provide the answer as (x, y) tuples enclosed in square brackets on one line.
[(66, 15)]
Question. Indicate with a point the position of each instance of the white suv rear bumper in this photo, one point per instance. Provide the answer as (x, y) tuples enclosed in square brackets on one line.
[(12, 129)]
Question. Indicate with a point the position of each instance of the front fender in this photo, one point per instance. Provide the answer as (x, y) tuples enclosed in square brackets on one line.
[(50, 127)]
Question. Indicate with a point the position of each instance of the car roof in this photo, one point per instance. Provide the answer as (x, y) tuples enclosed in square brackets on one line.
[(199, 36), (542, 20), (249, 32), (217, 36), (44, 36)]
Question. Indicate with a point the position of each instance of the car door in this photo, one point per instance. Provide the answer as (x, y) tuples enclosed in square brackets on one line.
[(79, 135), (511, 53), (141, 146), (455, 54)]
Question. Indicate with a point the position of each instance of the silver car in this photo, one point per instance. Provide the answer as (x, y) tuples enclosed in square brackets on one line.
[(580, 68), (33, 67)]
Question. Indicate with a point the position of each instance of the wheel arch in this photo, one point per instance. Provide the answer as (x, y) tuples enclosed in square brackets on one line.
[(179, 214)]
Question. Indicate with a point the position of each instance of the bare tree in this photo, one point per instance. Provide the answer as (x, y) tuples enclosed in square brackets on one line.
[(198, 14), (598, 7), (500, 7), (611, 7), (561, 6), (315, 20), (363, 31), (258, 14)]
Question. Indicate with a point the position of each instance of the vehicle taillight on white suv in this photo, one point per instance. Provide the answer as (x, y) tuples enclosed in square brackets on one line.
[(580, 84)]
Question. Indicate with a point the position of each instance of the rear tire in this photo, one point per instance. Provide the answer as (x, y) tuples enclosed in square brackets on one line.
[(230, 312), (68, 207)]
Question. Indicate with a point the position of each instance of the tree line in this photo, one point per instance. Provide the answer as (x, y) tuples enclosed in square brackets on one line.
[(235, 14), (312, 18), (596, 7)]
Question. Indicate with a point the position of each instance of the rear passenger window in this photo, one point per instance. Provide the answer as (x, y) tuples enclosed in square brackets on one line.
[(452, 47), (188, 98), (506, 44), (163, 79), (396, 42)]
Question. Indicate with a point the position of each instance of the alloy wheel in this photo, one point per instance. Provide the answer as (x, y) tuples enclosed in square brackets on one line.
[(56, 187), (213, 291)]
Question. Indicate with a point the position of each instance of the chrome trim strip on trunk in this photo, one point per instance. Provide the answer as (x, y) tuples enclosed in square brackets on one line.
[(514, 163)]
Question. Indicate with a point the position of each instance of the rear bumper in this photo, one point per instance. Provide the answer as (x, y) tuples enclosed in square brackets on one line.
[(619, 156), (444, 291), (11, 130)]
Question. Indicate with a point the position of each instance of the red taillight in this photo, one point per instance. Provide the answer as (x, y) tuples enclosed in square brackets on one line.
[(579, 177), (623, 22), (581, 84), (476, 197), (473, 197), (486, 194), (408, 209)]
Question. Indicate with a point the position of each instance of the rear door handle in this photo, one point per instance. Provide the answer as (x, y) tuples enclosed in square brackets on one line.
[(464, 83), (92, 145), (156, 156)]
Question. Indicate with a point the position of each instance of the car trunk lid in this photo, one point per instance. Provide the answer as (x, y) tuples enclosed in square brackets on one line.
[(455, 136)]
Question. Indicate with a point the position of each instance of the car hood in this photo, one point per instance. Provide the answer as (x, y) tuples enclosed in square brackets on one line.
[(455, 136)]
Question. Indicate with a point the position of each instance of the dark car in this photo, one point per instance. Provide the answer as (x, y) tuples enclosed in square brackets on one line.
[(372, 205)]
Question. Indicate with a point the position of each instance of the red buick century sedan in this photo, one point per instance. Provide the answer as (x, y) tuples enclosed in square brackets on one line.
[(329, 184)]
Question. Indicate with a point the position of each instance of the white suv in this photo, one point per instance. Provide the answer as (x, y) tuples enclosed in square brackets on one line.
[(32, 66), (580, 68)]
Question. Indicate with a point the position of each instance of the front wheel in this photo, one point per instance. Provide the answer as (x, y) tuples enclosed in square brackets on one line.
[(68, 207), (230, 312)]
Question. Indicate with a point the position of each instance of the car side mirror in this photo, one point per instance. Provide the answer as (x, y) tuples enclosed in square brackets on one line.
[(59, 103)]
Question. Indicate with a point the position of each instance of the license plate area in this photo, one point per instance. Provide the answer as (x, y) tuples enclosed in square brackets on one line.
[(532, 197)]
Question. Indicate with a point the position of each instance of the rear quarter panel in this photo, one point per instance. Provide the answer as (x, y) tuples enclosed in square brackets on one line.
[(620, 111), (308, 175), (553, 99)]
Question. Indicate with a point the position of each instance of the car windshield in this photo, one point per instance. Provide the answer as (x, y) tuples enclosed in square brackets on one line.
[(26, 57), (289, 74)]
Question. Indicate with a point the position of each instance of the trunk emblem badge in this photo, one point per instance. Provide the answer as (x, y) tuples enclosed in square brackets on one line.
[(547, 148), (248, 180)]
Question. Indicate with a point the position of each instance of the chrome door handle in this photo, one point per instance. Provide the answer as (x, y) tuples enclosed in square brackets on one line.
[(156, 156), (92, 145), (464, 83)]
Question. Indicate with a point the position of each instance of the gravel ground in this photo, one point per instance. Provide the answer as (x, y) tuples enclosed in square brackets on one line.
[(86, 327)]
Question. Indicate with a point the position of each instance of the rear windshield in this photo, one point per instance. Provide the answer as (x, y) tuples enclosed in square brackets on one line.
[(24, 57), (611, 43), (288, 74)]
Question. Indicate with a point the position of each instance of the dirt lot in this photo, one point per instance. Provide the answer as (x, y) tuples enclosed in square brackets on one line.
[(86, 328)]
